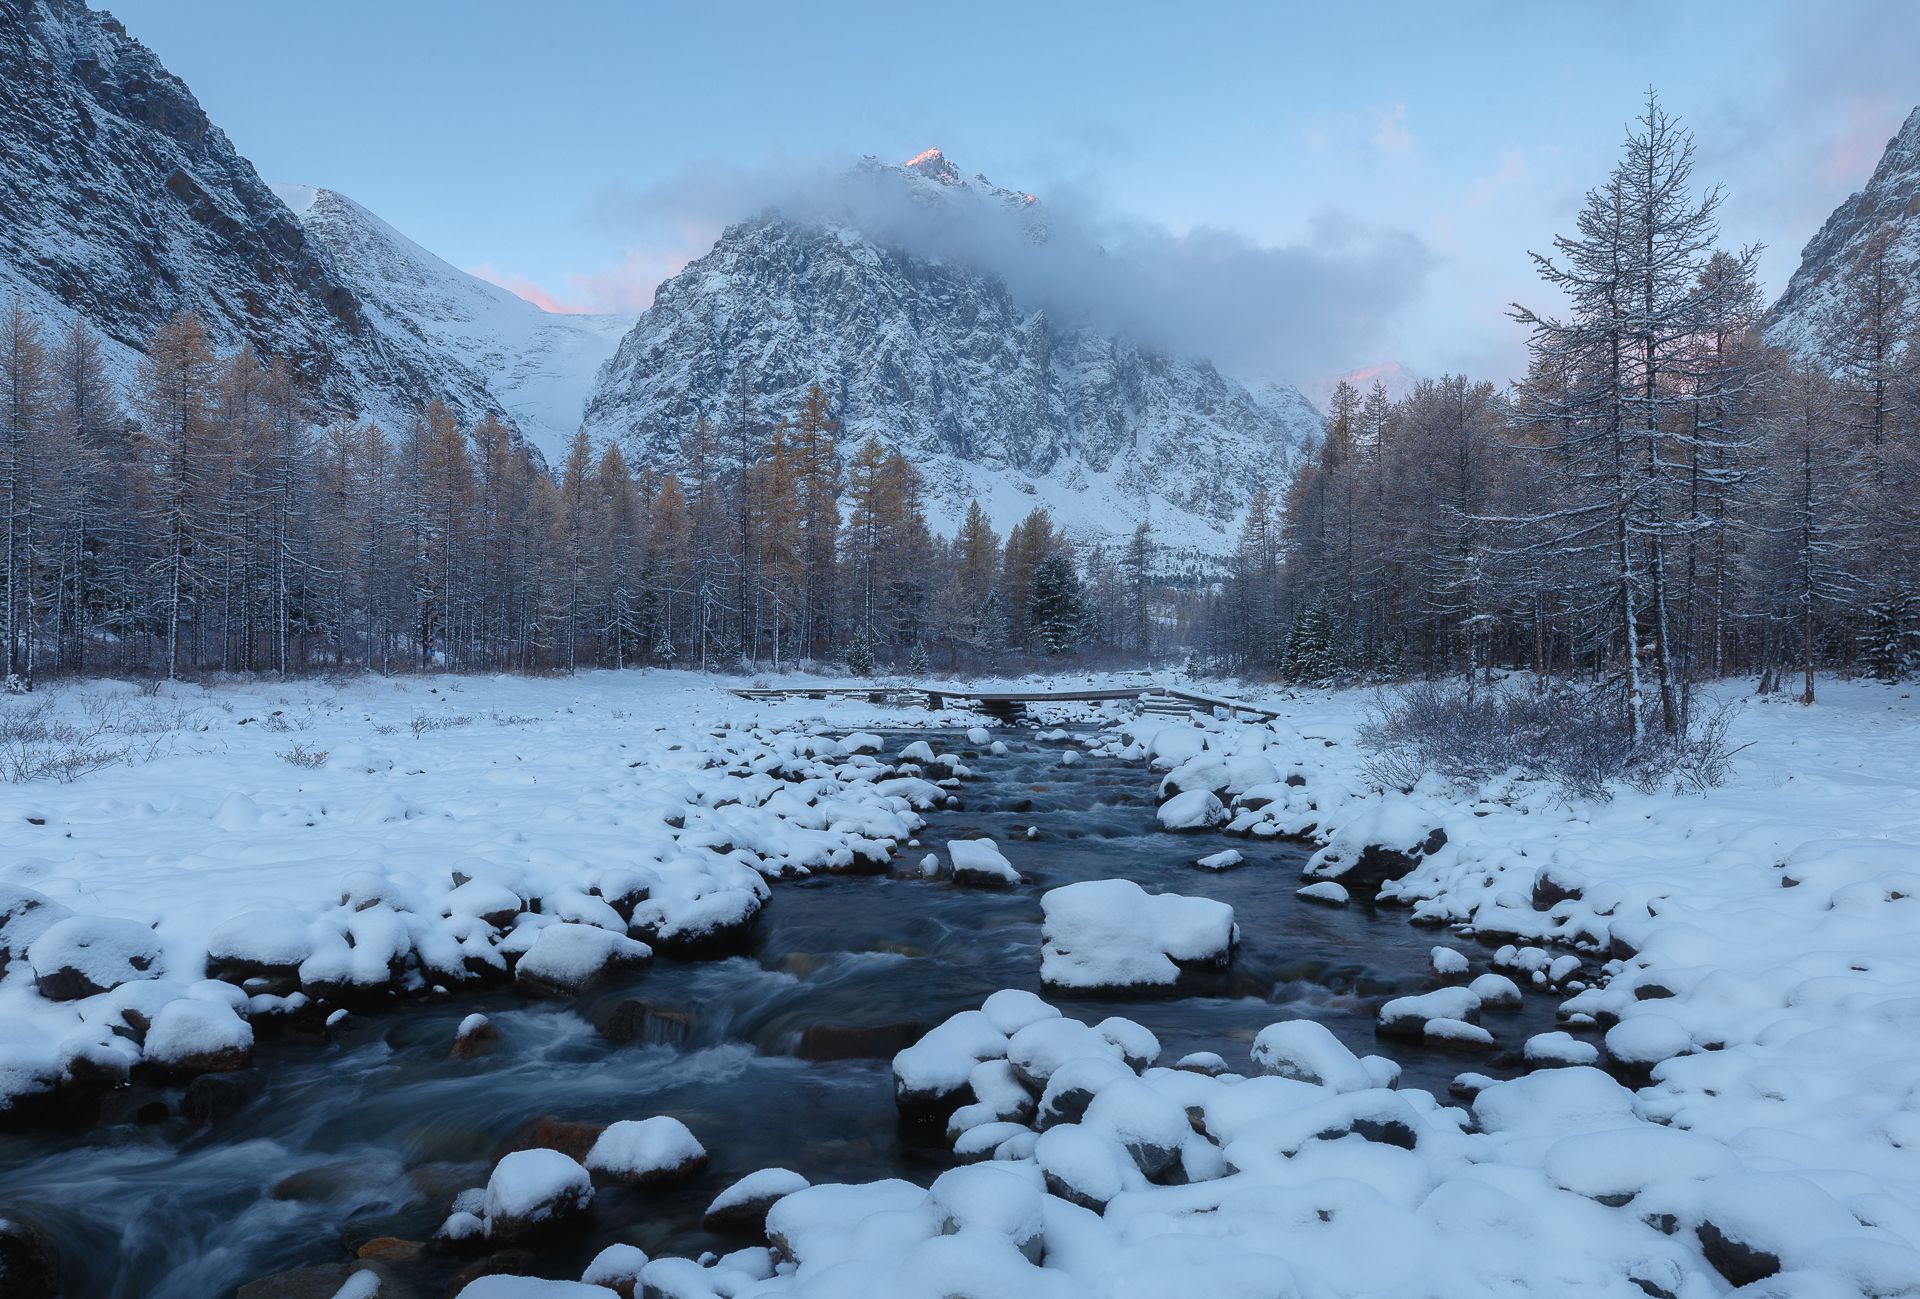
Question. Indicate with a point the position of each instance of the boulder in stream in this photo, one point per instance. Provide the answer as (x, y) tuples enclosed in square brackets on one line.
[(647, 1152), (535, 1193)]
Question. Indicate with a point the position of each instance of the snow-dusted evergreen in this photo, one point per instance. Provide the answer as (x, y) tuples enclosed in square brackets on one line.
[(989, 396)]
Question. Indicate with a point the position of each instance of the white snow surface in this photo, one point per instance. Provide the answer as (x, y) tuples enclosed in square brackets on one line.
[(641, 1148), (1753, 947), (1114, 934), (547, 798), (1769, 992)]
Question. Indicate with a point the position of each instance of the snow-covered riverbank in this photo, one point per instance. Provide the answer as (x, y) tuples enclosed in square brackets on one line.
[(1753, 959), (345, 843)]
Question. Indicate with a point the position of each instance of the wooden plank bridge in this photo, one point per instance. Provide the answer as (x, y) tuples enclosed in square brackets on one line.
[(1012, 704)]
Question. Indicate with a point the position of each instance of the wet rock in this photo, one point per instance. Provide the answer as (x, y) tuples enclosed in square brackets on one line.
[(215, 1096), (568, 958), (719, 924), (618, 1268), (326, 1281), (637, 1021), (506, 1262), (548, 1133), (191, 1036), (1409, 1016), (29, 1264), (1554, 885), (821, 1042), (320, 1183), (392, 1250), (1378, 864), (475, 1037)]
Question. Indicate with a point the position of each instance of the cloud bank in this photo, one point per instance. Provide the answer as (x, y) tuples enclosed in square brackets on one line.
[(1296, 311)]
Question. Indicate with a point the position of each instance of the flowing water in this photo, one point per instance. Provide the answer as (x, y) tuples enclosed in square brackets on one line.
[(779, 1057)]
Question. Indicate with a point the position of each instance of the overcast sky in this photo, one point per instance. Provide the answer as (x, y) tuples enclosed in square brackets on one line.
[(1400, 159)]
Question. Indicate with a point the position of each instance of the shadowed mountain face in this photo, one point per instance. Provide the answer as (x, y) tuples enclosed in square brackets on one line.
[(989, 396), (124, 204), (1889, 207)]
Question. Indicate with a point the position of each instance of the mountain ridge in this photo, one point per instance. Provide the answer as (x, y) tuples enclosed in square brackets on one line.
[(986, 394)]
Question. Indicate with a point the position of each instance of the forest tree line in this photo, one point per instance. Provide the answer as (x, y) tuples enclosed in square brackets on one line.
[(1664, 499), (201, 521)]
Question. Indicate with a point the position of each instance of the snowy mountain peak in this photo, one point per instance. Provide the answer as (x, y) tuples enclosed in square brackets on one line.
[(536, 366), (1887, 207), (934, 165), (924, 348)]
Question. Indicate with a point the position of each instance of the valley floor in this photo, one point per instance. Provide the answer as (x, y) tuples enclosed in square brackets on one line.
[(1748, 959)]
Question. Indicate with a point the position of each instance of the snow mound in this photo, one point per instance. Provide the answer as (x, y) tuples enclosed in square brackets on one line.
[(1100, 934)]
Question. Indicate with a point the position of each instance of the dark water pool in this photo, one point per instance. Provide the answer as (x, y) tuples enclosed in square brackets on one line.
[(776, 1057)]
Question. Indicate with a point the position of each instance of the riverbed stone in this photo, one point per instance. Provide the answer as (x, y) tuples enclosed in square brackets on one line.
[(821, 1042), (633, 1020), (325, 1281), (215, 1096), (29, 1263), (570, 1138)]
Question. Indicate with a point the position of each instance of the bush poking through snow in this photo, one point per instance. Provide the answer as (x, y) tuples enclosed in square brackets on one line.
[(37, 744), (1577, 741), (301, 755)]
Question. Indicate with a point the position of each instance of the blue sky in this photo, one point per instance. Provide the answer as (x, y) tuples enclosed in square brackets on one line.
[(580, 151)]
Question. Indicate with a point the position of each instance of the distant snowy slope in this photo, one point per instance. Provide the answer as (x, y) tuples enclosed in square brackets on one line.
[(537, 365), (1890, 202), (928, 353)]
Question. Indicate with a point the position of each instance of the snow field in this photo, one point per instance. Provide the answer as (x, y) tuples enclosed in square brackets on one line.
[(459, 829)]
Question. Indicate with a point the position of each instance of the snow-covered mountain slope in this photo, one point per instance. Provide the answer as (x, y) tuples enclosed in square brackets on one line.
[(124, 204), (987, 395), (538, 366), (1890, 203), (1396, 378)]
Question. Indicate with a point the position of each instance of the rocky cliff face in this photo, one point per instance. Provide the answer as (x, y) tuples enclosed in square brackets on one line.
[(987, 395), (1890, 203), (123, 203)]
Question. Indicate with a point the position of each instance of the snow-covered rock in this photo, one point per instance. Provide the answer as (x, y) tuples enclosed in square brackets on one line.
[(1307, 1050), (191, 1035), (1100, 934), (743, 1206), (647, 1152), (531, 1192), (979, 863), (83, 955), (1196, 809), (566, 958)]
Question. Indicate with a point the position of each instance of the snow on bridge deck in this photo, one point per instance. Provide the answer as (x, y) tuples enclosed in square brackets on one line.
[(1011, 703)]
